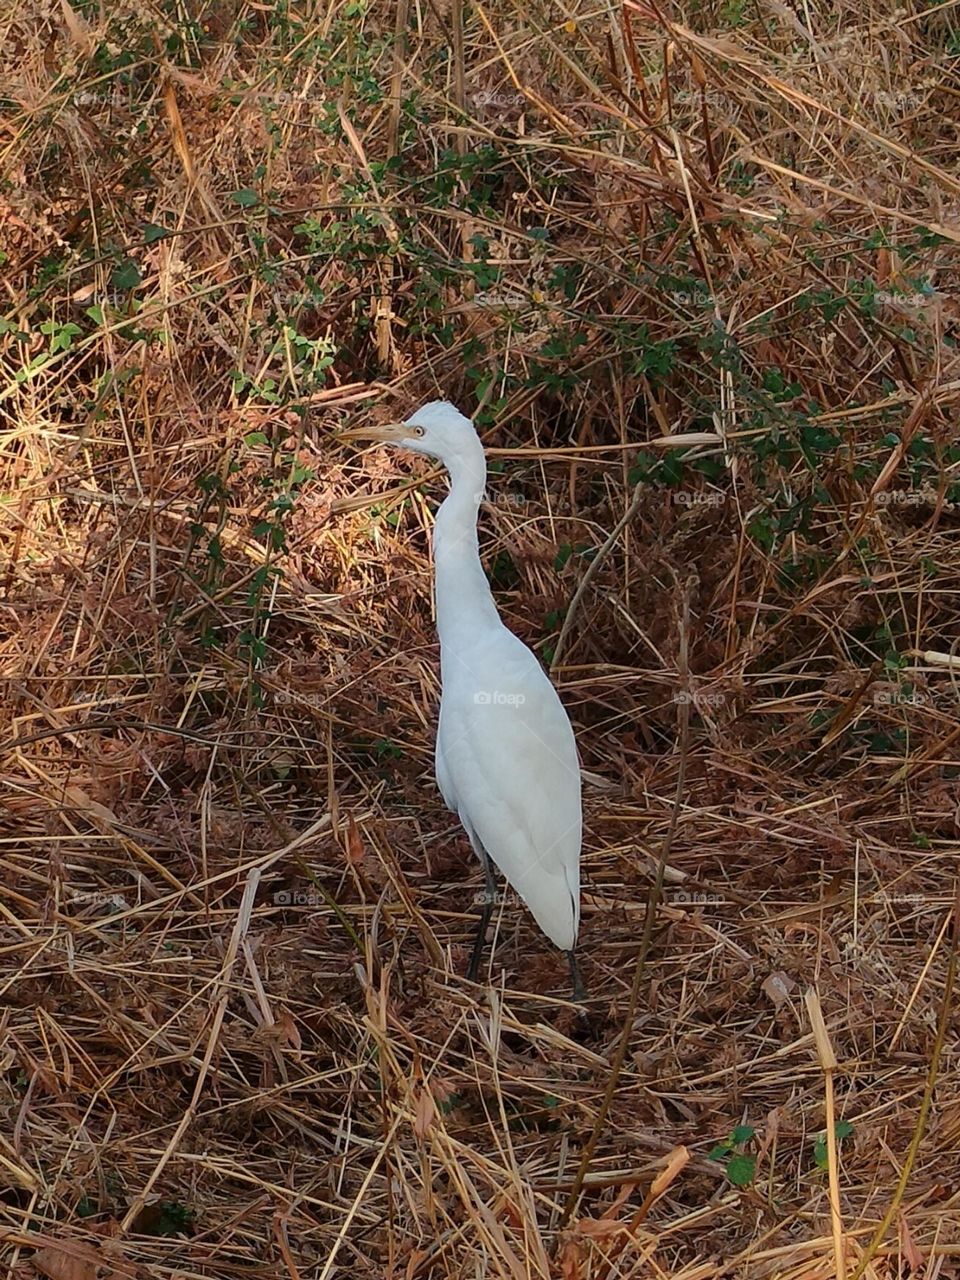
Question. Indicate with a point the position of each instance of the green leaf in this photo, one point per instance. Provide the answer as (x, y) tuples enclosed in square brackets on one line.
[(95, 313), (62, 336), (742, 1133), (126, 276), (642, 468), (245, 197), (761, 529), (720, 1151), (153, 232), (38, 361), (842, 1129), (741, 1169), (503, 572), (253, 438)]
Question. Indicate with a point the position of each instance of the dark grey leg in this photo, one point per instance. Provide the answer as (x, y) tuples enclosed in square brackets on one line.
[(579, 990), (489, 900)]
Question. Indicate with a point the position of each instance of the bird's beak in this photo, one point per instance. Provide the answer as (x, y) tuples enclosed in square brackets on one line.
[(388, 433)]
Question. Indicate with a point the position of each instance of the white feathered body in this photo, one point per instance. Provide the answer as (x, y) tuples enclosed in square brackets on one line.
[(506, 755), (507, 764)]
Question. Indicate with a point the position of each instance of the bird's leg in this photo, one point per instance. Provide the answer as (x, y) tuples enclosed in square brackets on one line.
[(489, 899), (579, 990)]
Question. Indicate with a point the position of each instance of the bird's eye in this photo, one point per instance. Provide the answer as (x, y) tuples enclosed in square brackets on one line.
[(418, 431)]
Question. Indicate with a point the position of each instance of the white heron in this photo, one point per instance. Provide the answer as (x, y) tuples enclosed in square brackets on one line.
[(506, 757)]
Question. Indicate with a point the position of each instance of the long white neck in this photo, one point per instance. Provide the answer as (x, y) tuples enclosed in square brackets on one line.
[(464, 602)]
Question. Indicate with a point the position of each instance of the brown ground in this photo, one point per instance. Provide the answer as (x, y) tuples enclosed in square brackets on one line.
[(236, 1040)]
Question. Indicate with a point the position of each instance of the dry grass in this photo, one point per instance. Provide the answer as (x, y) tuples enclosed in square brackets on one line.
[(235, 1038)]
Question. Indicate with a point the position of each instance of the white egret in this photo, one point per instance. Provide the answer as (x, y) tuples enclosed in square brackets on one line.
[(506, 757)]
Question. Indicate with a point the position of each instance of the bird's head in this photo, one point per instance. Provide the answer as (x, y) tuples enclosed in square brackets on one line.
[(437, 429)]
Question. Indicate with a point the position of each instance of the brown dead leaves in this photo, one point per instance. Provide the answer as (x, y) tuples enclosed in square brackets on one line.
[(79, 1260)]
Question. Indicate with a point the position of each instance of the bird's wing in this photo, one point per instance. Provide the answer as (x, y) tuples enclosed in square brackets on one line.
[(444, 780), (507, 756)]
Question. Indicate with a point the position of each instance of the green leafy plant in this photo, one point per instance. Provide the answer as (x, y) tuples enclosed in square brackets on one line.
[(739, 1164), (841, 1129), (61, 335)]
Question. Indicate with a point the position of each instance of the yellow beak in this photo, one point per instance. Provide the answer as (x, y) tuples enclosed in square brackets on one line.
[(387, 433)]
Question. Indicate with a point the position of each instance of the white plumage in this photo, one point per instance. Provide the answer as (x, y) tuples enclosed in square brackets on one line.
[(506, 756), (511, 772)]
